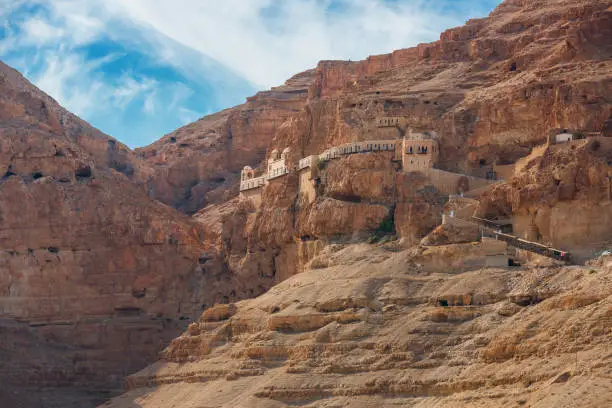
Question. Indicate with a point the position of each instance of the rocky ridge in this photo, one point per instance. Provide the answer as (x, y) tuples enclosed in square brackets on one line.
[(491, 90), (200, 163), (137, 271)]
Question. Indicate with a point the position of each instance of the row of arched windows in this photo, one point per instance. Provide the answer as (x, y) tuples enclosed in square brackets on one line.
[(419, 149)]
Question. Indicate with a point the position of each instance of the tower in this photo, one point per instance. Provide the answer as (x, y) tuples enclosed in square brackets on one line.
[(419, 151)]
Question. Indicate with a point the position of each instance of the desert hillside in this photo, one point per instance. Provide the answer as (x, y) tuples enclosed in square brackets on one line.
[(365, 326), (422, 228), (95, 276), (437, 216)]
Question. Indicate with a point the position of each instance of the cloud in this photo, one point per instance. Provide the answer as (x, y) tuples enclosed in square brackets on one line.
[(267, 41), (264, 41)]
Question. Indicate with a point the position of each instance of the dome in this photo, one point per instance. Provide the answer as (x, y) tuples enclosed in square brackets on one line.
[(247, 168)]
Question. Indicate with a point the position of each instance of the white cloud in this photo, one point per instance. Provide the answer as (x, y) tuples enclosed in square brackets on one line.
[(150, 103), (264, 41), (267, 50), (37, 31)]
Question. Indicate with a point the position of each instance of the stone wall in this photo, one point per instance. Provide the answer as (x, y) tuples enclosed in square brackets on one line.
[(390, 121), (256, 182), (253, 195), (307, 192), (454, 183), (276, 169)]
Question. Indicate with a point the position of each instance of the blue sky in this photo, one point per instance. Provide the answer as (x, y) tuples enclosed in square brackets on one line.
[(138, 69)]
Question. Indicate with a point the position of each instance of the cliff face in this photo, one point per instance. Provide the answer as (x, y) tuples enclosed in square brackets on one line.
[(367, 325), (491, 90), (95, 277), (42, 136), (562, 196)]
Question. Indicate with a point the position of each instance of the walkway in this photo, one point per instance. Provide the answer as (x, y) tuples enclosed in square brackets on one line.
[(493, 227)]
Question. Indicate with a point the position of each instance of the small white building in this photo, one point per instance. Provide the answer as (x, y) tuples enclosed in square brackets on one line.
[(564, 137), (277, 164)]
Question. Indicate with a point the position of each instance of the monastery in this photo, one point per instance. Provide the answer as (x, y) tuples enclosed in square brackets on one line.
[(415, 152)]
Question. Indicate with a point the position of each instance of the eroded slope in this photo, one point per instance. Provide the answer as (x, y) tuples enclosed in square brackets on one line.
[(365, 327)]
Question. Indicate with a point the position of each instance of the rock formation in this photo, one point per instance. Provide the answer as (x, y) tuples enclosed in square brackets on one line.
[(393, 325), (98, 275), (369, 326), (491, 90), (200, 163), (95, 277), (564, 195)]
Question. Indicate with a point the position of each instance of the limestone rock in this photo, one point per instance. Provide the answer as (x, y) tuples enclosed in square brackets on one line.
[(379, 328), (95, 277)]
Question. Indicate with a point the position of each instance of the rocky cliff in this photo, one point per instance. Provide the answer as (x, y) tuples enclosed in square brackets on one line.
[(200, 163), (491, 90), (98, 275), (561, 196), (400, 325), (95, 277)]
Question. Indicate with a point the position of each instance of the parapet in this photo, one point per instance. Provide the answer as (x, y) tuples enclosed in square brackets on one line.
[(307, 162), (252, 183)]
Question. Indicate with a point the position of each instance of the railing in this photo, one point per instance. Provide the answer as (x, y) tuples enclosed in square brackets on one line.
[(252, 183), (493, 224), (305, 162), (534, 247), (492, 229), (358, 147), (279, 172)]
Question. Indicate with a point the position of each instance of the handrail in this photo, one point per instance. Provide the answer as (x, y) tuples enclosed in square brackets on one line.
[(520, 243)]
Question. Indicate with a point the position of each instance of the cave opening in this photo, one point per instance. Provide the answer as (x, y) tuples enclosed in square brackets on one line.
[(83, 172)]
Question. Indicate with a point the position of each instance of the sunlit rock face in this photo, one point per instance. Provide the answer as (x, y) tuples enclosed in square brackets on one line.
[(95, 277), (383, 325), (491, 90), (368, 325)]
